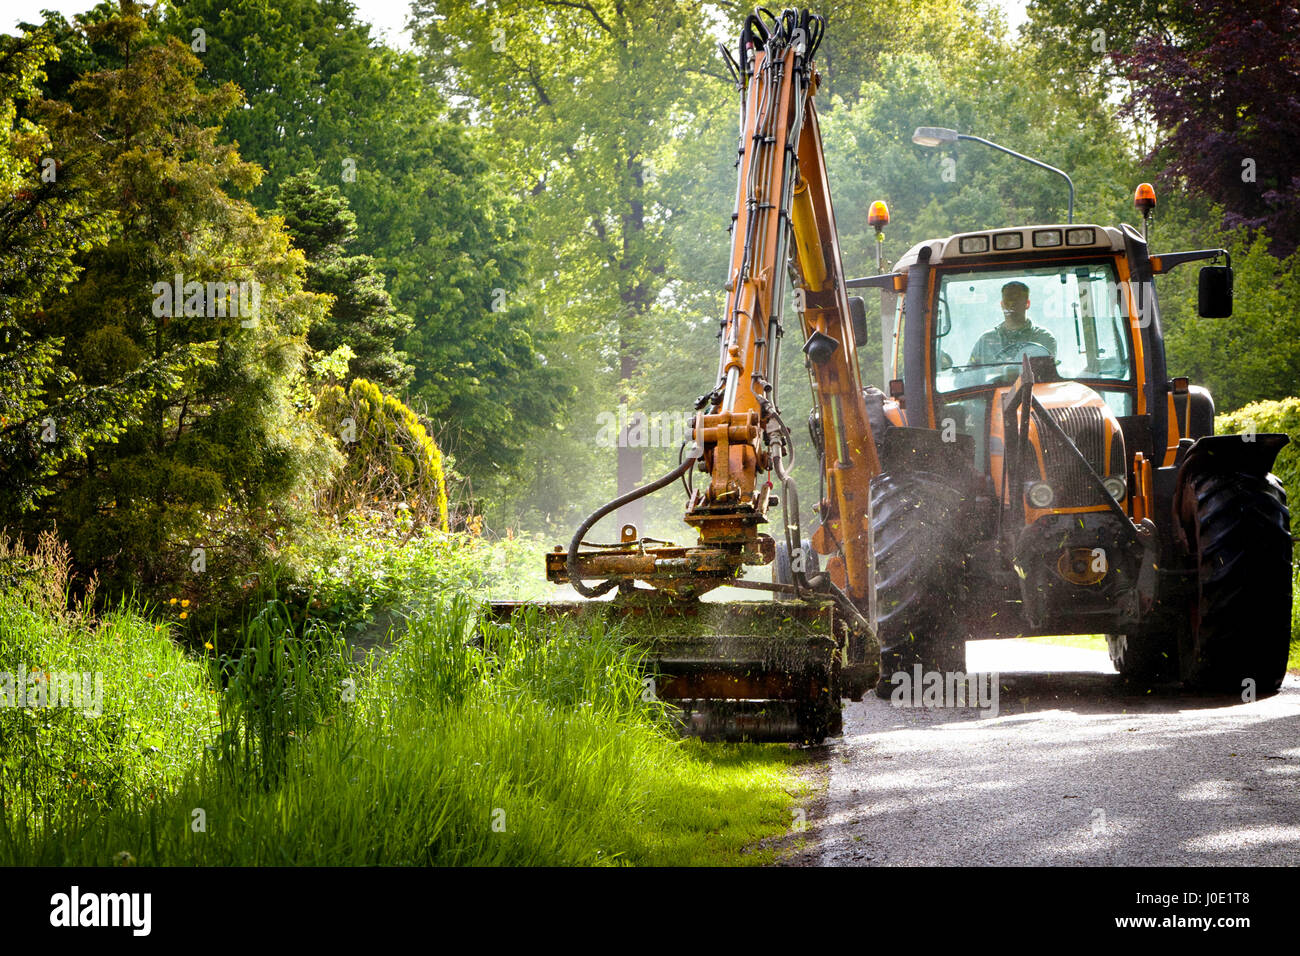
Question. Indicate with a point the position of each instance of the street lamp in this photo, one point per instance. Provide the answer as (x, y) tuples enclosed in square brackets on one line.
[(938, 136)]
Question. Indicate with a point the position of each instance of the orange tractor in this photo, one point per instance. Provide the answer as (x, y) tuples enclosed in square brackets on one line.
[(1044, 474), (1031, 469)]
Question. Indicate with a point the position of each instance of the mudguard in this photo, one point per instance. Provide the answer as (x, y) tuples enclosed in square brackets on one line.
[(1221, 454)]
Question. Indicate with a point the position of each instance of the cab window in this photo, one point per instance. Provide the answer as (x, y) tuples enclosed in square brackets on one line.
[(986, 320)]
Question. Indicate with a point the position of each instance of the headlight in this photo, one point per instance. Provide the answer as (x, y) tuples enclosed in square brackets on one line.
[(1040, 494), (1115, 487)]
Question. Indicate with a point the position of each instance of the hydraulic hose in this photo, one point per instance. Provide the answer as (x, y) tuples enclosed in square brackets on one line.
[(571, 560)]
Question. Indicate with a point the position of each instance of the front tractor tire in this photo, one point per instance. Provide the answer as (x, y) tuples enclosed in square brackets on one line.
[(1144, 658), (916, 521), (1240, 543), (783, 563)]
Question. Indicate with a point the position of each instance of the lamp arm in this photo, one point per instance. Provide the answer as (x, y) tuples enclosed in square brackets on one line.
[(1030, 159)]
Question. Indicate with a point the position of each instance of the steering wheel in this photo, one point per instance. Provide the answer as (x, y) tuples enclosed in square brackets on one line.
[(1017, 350)]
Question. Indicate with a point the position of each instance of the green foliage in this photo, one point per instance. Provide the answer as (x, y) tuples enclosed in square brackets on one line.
[(429, 210), (209, 460), (860, 32), (390, 455), (1075, 40), (1252, 355), (369, 568), (594, 164), (362, 317)]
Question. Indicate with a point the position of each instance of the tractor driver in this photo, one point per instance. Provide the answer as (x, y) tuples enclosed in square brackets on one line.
[(1004, 343)]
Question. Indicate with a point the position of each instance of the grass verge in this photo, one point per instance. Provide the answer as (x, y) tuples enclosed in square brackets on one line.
[(1087, 642), (469, 744)]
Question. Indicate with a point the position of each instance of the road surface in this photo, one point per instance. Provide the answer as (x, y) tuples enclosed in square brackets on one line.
[(1073, 770)]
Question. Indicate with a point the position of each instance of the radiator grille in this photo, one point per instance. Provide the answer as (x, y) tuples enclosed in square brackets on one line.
[(1086, 426)]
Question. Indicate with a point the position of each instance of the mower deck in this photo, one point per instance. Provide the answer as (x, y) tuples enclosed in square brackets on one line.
[(743, 670)]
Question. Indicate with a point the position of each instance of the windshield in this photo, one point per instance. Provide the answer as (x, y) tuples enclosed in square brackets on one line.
[(987, 320)]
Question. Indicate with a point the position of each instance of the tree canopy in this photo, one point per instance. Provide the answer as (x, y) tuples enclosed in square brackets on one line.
[(517, 230)]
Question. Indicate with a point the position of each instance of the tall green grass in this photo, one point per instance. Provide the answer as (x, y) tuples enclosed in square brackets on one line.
[(159, 710), (283, 681), (471, 743)]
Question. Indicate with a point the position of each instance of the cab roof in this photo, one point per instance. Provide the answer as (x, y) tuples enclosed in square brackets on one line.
[(1016, 242)]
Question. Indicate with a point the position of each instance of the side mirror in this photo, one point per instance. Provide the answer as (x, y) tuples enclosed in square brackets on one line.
[(1214, 292), (858, 318)]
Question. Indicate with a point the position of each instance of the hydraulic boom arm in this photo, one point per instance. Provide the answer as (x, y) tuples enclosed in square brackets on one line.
[(784, 226)]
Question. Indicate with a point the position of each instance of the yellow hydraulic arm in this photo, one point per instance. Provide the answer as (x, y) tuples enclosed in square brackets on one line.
[(784, 214), (758, 670), (783, 227)]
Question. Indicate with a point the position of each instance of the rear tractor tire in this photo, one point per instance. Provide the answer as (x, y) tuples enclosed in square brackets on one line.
[(916, 521), (1240, 630)]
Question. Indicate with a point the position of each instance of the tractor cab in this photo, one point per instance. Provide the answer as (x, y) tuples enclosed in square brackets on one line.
[(998, 298)]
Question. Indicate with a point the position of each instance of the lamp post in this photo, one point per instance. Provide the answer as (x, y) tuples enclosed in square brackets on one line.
[(937, 136)]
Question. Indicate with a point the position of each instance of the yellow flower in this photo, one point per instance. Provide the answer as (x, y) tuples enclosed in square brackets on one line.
[(185, 603), (172, 601), (208, 645), (184, 615)]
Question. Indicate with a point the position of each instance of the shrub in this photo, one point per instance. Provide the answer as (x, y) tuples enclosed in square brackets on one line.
[(352, 572), (391, 457), (1276, 416)]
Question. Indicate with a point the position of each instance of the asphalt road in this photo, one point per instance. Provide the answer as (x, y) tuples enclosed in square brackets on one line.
[(1073, 770)]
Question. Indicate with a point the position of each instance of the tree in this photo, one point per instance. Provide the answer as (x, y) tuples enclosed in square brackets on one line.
[(588, 105), (362, 315), (1226, 96), (324, 97), (47, 216), (1077, 41), (212, 461), (860, 32)]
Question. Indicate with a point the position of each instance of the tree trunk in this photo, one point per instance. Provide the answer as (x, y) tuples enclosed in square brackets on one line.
[(631, 465)]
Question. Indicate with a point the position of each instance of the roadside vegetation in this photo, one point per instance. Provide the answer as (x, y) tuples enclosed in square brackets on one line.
[(466, 742)]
